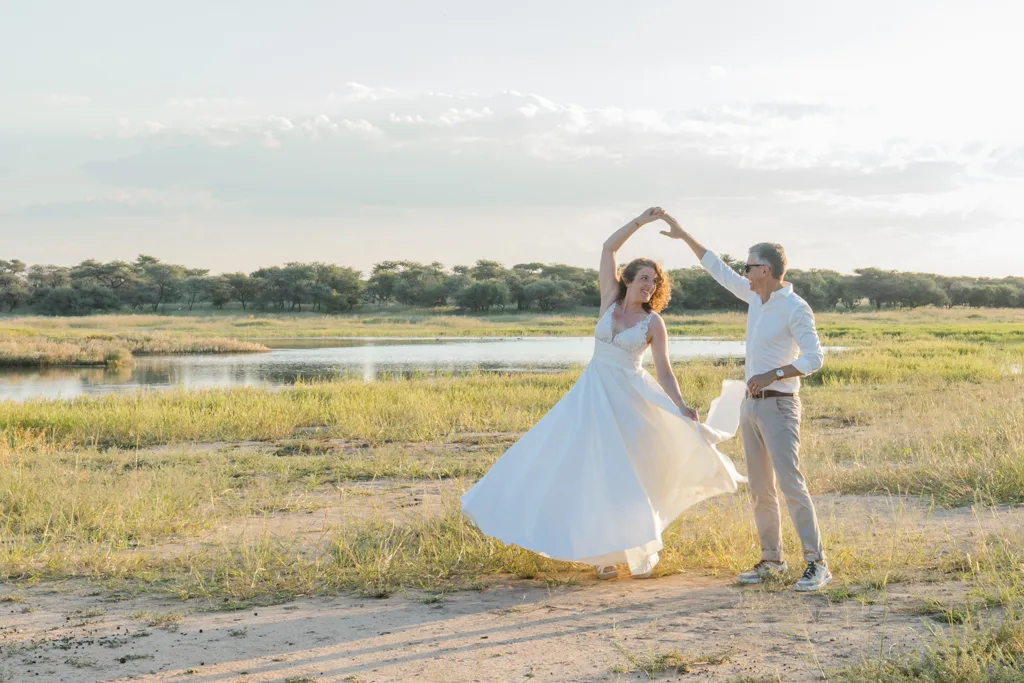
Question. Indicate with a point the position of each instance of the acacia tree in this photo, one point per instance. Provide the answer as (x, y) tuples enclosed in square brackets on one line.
[(196, 285), (161, 281), (383, 282), (483, 296), (13, 286), (244, 289), (343, 287), (114, 275)]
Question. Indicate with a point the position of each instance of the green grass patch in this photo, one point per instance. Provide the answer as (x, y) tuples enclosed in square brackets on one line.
[(992, 654)]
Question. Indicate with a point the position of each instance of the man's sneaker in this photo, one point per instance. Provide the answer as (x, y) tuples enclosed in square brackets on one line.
[(761, 571), (815, 577)]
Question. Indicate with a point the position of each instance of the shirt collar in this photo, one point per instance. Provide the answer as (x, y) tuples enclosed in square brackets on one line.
[(787, 290)]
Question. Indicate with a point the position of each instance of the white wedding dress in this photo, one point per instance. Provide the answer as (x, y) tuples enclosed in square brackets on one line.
[(612, 464)]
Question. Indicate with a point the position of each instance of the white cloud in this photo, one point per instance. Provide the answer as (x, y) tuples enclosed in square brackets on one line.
[(749, 150), (318, 125), (363, 127), (406, 118), (545, 103), (282, 123), (134, 129), (454, 117), (790, 166), (270, 140), (529, 110), (357, 92)]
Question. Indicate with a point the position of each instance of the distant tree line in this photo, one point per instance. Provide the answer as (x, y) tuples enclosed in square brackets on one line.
[(149, 284)]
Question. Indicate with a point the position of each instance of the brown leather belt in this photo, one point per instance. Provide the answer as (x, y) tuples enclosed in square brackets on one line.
[(768, 393)]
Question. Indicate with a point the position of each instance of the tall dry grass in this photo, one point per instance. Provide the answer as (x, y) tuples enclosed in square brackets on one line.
[(109, 349), (995, 325)]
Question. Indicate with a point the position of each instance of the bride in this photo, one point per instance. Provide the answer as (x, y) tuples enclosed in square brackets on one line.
[(619, 457)]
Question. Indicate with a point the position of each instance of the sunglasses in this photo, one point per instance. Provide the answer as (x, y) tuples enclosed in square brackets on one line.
[(748, 266)]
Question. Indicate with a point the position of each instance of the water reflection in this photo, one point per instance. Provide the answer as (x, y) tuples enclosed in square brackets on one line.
[(321, 359)]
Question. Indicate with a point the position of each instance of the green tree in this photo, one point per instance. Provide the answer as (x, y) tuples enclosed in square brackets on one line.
[(45, 277), (298, 281), (455, 283), (488, 270), (409, 283), (551, 295), (114, 275), (693, 289), (579, 286), (847, 292), (959, 291), (42, 278), (196, 285), (821, 289), (82, 299), (1005, 296), (383, 283), (244, 289), (879, 287), (518, 281), (13, 285), (483, 296), (339, 289), (273, 289), (220, 291), (162, 282), (916, 289), (982, 297)]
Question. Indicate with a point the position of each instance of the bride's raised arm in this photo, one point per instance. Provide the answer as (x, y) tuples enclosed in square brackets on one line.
[(609, 274)]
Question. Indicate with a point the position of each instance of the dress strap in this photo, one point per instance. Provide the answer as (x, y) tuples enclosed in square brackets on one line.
[(608, 312), (646, 322)]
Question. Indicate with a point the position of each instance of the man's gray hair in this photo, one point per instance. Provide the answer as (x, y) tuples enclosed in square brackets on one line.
[(773, 255)]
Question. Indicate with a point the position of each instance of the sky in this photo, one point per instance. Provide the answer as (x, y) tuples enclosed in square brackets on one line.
[(236, 135)]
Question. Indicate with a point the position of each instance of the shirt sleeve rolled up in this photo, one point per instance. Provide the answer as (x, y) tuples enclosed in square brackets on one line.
[(801, 325)]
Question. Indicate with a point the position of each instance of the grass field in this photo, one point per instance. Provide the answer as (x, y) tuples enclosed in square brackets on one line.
[(1000, 325), (923, 419)]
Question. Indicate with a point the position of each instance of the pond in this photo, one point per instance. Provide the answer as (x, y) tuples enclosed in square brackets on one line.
[(291, 360)]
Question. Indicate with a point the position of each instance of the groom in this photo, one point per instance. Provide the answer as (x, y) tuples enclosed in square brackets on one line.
[(782, 345)]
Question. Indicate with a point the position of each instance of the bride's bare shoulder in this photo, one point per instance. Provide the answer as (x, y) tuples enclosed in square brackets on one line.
[(656, 322)]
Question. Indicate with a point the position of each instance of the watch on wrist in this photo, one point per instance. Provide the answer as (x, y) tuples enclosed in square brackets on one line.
[(780, 373)]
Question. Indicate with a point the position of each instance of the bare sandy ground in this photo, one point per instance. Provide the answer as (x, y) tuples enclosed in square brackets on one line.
[(515, 632)]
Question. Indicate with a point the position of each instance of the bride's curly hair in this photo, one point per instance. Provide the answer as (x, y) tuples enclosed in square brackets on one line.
[(663, 290)]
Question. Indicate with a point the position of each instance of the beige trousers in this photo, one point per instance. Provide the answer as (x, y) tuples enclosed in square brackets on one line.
[(770, 428)]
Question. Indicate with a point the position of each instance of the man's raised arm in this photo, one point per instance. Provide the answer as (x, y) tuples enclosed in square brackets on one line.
[(716, 267)]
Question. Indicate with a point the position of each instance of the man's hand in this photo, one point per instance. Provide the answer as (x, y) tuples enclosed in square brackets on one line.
[(691, 413), (759, 383), (675, 231)]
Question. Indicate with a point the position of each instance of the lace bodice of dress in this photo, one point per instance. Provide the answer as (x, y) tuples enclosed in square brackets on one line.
[(632, 339)]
